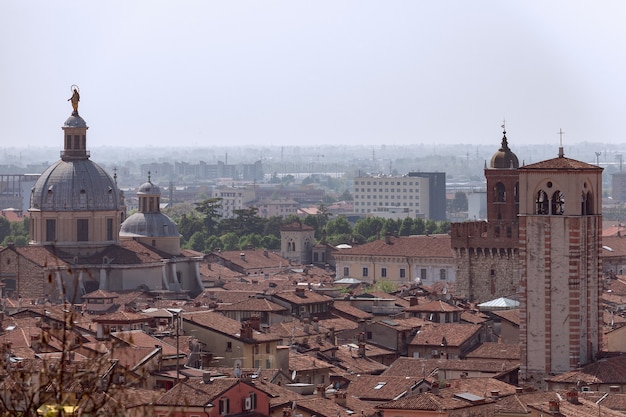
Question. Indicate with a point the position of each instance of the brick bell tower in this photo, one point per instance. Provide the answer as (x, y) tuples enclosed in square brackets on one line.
[(486, 251), (560, 235)]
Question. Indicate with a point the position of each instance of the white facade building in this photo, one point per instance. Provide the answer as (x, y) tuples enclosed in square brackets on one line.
[(406, 195)]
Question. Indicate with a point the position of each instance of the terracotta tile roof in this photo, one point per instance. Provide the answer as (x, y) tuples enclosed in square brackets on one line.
[(424, 367), (222, 324), (338, 323), (254, 305), (473, 316), (613, 247), (498, 351), (100, 294), (613, 231), (348, 359), (138, 338), (132, 356), (379, 387), (12, 214), (214, 271), (617, 285), (121, 317), (306, 297), (455, 333), (195, 393), (328, 407), (301, 362), (583, 408), (561, 163), (435, 306), (218, 295), (425, 401), (432, 246), (512, 316), (345, 307), (401, 325), (41, 255), (252, 259), (604, 371)]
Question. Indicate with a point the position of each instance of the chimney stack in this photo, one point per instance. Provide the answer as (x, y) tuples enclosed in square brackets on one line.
[(554, 406)]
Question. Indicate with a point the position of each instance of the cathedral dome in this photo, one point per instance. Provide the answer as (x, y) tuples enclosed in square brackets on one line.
[(75, 185), (149, 225), (504, 158)]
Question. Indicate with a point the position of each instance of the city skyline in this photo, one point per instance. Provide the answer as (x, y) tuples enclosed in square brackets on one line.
[(283, 73)]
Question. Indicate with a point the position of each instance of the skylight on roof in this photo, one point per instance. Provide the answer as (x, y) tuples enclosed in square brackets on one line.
[(380, 385)]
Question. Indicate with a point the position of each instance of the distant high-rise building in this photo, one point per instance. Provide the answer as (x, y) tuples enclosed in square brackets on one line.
[(419, 195)]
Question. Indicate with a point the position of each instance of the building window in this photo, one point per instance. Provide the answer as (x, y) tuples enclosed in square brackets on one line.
[(383, 272), (365, 271), (229, 346), (402, 273), (109, 229), (82, 230), (423, 274), (51, 230), (267, 348), (224, 406), (442, 274), (346, 271), (499, 193)]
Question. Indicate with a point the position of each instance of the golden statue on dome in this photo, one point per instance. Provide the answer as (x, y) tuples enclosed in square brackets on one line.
[(75, 98)]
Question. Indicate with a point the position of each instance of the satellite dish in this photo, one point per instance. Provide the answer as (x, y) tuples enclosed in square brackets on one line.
[(293, 375)]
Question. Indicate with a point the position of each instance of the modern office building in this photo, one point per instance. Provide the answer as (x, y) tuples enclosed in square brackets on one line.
[(417, 195)]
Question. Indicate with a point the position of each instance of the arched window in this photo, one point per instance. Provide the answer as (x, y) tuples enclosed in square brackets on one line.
[(291, 245), (499, 193), (516, 192), (541, 203), (586, 203), (557, 203)]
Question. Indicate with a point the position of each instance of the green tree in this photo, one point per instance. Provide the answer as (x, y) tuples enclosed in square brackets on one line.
[(369, 227), (251, 240), (407, 227), (337, 226), (270, 242), (210, 209), (5, 228), (230, 241), (212, 242), (188, 225), (197, 241)]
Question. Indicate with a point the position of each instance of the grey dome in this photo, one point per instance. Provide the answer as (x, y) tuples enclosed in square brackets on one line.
[(149, 225), (149, 188), (75, 121), (75, 185)]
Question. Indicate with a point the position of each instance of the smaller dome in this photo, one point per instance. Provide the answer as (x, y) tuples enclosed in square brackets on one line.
[(149, 225), (75, 121), (149, 188), (504, 158)]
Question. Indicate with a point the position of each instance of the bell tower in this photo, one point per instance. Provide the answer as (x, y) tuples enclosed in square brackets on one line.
[(560, 235)]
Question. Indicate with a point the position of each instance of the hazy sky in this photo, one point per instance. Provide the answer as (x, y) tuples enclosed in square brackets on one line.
[(313, 72)]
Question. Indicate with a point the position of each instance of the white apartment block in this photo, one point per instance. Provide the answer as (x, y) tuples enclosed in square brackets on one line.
[(383, 195), (233, 199)]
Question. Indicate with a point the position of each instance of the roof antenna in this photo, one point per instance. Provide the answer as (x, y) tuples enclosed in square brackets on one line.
[(561, 143)]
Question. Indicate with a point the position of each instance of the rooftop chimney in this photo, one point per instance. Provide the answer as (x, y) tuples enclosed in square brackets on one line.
[(554, 406), (572, 396), (242, 256)]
